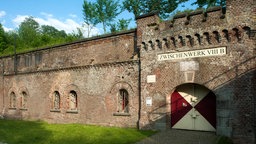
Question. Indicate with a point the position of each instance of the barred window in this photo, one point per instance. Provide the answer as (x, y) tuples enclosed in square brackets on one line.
[(123, 101)]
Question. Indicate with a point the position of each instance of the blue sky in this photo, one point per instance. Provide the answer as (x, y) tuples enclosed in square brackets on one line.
[(62, 14)]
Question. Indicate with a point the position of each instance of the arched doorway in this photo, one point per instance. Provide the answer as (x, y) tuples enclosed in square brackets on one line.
[(193, 107)]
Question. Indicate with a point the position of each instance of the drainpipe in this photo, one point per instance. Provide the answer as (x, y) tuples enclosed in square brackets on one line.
[(137, 51)]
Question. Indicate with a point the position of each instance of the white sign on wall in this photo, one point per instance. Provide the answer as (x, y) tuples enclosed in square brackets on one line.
[(192, 54), (151, 78), (148, 101)]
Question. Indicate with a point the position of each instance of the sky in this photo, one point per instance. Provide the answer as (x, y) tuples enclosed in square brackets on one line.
[(62, 14)]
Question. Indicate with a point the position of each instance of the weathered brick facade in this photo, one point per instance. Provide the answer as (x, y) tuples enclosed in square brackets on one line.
[(130, 64), (95, 69)]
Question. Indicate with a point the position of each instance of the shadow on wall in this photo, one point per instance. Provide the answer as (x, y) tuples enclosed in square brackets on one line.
[(235, 104), (236, 108), (157, 118)]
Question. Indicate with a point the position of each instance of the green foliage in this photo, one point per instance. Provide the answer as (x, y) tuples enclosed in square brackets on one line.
[(121, 25), (31, 35), (209, 3), (102, 11), (90, 15), (133, 6), (3, 39), (28, 132), (163, 7), (107, 11), (29, 32), (52, 31)]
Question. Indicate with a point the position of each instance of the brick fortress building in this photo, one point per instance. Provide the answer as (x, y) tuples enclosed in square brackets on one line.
[(195, 72)]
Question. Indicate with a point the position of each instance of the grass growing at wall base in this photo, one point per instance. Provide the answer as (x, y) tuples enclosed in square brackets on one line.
[(31, 132), (224, 140)]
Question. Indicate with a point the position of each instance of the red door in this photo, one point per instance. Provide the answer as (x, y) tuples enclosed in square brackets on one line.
[(193, 107)]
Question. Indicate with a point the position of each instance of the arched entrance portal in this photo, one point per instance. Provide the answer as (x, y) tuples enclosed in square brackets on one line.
[(193, 107)]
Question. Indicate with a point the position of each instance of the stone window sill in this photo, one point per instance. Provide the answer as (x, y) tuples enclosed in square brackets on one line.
[(121, 114), (54, 110), (23, 109), (72, 111)]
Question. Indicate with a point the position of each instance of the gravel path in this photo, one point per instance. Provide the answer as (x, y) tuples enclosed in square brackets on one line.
[(181, 137)]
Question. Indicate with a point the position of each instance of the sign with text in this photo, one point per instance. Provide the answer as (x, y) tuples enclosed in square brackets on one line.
[(148, 101), (151, 78), (192, 54)]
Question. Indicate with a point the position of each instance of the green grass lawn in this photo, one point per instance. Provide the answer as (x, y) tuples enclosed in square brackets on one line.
[(31, 132)]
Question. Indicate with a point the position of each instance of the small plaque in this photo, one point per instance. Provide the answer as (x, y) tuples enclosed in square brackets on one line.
[(148, 101), (189, 66), (151, 78)]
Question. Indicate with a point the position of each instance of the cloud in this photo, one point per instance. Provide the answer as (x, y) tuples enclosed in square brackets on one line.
[(68, 25), (6, 29), (73, 15), (2, 13), (46, 14), (19, 19)]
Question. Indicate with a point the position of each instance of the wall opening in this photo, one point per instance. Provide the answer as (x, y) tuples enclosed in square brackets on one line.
[(193, 107)]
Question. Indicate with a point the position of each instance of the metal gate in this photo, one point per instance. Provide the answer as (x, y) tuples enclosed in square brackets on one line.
[(193, 107)]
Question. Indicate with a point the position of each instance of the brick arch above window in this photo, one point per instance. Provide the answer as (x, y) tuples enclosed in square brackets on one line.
[(55, 101), (12, 89), (12, 97), (72, 94), (23, 89), (23, 98), (72, 87), (122, 85), (122, 92)]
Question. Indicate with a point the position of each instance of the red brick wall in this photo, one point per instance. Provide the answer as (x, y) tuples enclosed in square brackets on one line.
[(96, 69), (99, 67), (221, 74)]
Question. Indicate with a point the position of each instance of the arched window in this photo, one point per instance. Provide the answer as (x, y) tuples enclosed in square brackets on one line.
[(23, 100), (72, 100), (12, 100), (123, 100), (56, 100)]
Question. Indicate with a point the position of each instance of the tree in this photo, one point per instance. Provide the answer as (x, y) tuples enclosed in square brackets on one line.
[(52, 31), (133, 6), (107, 11), (3, 39), (113, 28), (121, 25), (209, 3), (50, 35), (163, 7), (90, 16), (29, 31)]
